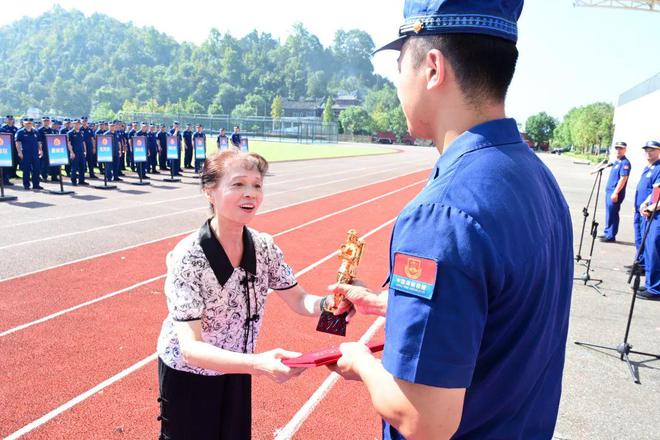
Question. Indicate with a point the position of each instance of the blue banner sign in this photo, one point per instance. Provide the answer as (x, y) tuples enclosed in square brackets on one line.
[(172, 148), (244, 145), (200, 148), (224, 143), (140, 148), (5, 149), (57, 149), (104, 148)]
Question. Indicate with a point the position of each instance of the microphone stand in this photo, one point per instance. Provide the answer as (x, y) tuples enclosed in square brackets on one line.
[(625, 348), (586, 277)]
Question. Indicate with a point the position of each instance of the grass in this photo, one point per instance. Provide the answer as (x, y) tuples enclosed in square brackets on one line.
[(583, 156), (281, 151)]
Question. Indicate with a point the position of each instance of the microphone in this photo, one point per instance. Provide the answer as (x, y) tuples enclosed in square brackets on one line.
[(601, 167)]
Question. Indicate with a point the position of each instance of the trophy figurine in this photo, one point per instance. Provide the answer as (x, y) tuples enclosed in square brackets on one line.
[(349, 257)]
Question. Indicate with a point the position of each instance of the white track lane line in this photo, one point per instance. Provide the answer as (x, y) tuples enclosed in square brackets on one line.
[(157, 202), (179, 212), (290, 429), (142, 283), (122, 374), (191, 230)]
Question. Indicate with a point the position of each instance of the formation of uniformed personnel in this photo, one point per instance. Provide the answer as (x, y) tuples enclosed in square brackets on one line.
[(643, 211), (469, 352), (10, 172), (90, 146), (199, 133), (152, 146), (28, 148), (615, 192), (188, 147), (176, 164)]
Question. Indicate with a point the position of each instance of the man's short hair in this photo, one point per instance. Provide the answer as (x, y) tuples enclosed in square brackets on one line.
[(483, 65)]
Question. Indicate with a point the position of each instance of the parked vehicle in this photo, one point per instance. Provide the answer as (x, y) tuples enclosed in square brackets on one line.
[(406, 139), (384, 137)]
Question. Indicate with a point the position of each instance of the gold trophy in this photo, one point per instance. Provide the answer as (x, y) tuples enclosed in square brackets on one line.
[(350, 254)]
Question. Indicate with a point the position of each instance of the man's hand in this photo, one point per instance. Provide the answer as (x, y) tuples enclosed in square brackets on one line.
[(643, 210), (614, 197), (72, 154), (20, 155), (365, 301), (352, 354)]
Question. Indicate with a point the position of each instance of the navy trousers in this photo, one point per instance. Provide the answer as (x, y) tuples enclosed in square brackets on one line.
[(30, 166), (612, 216)]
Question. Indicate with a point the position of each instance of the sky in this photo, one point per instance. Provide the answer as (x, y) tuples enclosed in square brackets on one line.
[(568, 56)]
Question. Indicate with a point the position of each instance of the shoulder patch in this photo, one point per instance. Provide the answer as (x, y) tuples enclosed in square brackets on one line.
[(414, 275)]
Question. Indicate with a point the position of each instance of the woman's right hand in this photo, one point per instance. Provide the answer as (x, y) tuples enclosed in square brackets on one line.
[(269, 363)]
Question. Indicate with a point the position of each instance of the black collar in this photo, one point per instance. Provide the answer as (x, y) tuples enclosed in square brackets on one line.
[(218, 258)]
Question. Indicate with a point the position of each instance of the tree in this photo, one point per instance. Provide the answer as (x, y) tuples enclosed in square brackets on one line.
[(539, 127), (102, 111), (276, 109), (328, 114), (356, 120)]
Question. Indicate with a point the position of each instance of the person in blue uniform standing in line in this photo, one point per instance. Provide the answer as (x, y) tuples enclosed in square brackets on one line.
[(176, 164), (112, 169), (199, 133), (651, 255), (161, 136), (188, 144), (29, 152), (152, 146), (90, 146), (102, 127), (77, 152), (45, 168), (615, 192), (10, 172), (481, 260), (143, 131), (236, 138), (129, 143)]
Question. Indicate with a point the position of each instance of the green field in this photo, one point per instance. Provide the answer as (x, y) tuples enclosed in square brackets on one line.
[(280, 151)]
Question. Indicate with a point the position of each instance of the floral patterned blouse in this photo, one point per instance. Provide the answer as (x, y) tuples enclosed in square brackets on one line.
[(228, 301)]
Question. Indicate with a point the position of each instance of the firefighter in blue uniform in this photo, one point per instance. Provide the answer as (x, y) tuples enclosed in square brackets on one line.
[(9, 127), (143, 131), (46, 170), (650, 259), (188, 144), (161, 137), (176, 164), (129, 143), (112, 169), (236, 138), (152, 146), (199, 133), (469, 352), (90, 146), (65, 129), (29, 152), (222, 137), (76, 143), (615, 192)]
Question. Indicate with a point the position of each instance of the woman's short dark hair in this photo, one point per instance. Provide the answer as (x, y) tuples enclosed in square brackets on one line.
[(483, 65), (216, 164)]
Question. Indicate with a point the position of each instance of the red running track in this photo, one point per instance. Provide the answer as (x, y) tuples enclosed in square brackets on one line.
[(50, 363)]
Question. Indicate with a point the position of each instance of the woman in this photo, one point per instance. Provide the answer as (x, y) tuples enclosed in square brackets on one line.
[(217, 282)]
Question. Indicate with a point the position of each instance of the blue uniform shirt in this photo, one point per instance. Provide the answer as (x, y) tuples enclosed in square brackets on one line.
[(620, 168), (29, 140), (178, 136), (187, 138), (480, 288), (650, 175), (76, 139), (88, 136), (236, 139), (152, 138)]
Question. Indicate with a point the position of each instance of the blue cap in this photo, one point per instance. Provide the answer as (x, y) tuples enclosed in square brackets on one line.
[(620, 145), (652, 144), (497, 18)]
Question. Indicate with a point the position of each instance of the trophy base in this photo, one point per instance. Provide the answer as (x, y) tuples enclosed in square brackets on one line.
[(329, 323)]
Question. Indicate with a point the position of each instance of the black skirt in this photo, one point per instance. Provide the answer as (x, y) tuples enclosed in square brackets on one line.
[(197, 407)]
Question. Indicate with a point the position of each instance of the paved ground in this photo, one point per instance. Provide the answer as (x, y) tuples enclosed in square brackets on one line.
[(600, 401)]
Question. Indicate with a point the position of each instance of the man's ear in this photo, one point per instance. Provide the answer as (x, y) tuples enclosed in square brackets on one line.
[(435, 66)]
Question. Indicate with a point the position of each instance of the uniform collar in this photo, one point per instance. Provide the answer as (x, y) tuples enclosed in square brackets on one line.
[(487, 134), (218, 258)]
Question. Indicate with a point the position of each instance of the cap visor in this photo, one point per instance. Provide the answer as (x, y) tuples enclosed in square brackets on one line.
[(394, 45)]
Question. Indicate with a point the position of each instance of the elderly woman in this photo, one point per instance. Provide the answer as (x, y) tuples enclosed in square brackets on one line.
[(217, 282)]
